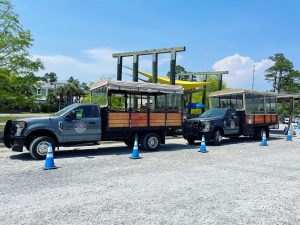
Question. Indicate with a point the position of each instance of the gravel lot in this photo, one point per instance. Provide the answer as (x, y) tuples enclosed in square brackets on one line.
[(237, 183)]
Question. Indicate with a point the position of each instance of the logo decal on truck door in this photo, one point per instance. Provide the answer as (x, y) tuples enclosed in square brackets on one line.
[(80, 127)]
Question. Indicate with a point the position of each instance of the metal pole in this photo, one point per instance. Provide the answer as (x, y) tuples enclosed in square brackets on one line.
[(119, 68), (173, 68), (253, 77), (154, 67), (135, 68)]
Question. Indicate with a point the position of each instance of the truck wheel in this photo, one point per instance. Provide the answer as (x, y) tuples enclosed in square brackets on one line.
[(39, 146), (151, 142), (129, 143), (191, 140), (259, 133), (217, 137)]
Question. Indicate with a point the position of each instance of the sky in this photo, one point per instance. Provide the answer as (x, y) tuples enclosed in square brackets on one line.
[(77, 38)]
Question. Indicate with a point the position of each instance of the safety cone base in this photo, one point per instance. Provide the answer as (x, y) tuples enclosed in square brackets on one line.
[(135, 157), (50, 168), (264, 145)]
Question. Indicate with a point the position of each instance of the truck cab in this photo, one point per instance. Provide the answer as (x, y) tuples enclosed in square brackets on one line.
[(213, 124), (234, 112), (73, 125)]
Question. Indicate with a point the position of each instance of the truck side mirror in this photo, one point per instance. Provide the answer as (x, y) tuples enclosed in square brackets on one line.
[(70, 115)]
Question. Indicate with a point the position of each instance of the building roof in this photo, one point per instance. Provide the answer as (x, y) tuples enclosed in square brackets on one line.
[(137, 86), (230, 91)]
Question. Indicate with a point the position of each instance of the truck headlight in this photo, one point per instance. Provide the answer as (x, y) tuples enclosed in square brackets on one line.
[(206, 127), (20, 127)]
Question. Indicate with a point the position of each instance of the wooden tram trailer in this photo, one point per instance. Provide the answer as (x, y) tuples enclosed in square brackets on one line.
[(149, 123)]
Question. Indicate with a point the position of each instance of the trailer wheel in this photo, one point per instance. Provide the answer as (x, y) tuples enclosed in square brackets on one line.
[(39, 147), (190, 140), (217, 137), (151, 142)]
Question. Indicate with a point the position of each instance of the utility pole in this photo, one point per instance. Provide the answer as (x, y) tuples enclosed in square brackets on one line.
[(253, 76)]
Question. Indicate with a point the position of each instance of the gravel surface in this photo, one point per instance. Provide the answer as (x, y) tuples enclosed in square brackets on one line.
[(239, 182)]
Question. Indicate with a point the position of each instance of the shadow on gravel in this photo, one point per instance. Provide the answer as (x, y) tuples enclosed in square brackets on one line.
[(240, 140), (101, 151), (279, 132)]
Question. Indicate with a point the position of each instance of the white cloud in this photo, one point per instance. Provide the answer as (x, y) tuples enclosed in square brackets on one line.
[(95, 63), (241, 70)]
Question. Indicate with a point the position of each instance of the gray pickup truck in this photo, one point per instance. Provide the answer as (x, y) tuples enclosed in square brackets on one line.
[(75, 124)]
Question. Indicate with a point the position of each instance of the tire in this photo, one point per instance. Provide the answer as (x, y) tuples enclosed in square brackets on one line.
[(191, 140), (39, 146), (217, 137), (259, 132), (129, 143), (150, 142)]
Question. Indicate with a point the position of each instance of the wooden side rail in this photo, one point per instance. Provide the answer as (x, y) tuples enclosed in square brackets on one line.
[(138, 119)]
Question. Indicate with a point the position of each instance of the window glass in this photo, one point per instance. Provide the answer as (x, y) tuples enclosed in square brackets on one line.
[(139, 103), (99, 96), (117, 101), (272, 104), (174, 101), (232, 100), (78, 113), (239, 101), (259, 104), (152, 104), (90, 111), (249, 104), (215, 102), (161, 102)]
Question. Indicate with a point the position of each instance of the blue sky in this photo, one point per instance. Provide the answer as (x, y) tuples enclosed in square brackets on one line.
[(77, 37)]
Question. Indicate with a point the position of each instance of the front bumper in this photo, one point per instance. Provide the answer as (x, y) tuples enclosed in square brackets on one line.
[(196, 133), (10, 140), (17, 144)]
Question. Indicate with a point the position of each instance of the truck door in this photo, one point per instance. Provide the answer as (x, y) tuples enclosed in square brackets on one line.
[(231, 122), (83, 126)]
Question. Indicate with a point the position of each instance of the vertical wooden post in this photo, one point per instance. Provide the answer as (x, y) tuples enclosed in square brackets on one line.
[(154, 67), (173, 68), (119, 68), (135, 68)]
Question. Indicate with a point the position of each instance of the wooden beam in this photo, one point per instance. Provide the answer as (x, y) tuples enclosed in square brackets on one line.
[(149, 52)]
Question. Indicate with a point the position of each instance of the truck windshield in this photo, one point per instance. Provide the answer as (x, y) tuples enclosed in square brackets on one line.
[(214, 113), (64, 110)]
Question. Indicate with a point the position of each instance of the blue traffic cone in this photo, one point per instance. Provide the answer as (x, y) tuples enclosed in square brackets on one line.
[(202, 146), (49, 163), (264, 140), (289, 135), (135, 151)]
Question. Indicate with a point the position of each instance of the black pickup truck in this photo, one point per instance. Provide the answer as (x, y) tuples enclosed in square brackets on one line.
[(215, 124)]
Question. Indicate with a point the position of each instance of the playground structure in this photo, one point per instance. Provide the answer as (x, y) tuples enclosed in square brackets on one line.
[(189, 85)]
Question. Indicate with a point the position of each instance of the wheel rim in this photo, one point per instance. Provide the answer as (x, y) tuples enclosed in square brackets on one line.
[(42, 148), (152, 142), (219, 136)]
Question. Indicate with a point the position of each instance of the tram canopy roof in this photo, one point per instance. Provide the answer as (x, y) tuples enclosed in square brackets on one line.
[(137, 86), (231, 91)]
